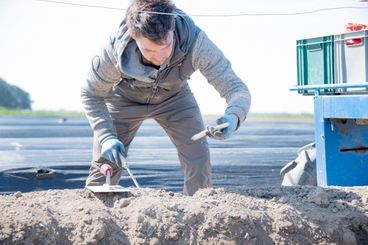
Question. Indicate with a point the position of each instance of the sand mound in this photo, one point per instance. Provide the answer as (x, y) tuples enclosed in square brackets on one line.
[(293, 215)]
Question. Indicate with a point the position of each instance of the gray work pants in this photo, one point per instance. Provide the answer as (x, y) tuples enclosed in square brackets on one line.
[(180, 117)]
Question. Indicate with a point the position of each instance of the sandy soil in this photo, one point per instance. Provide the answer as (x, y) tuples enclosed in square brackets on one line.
[(286, 215)]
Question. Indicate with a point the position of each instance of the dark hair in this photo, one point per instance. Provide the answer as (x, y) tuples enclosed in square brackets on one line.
[(153, 26)]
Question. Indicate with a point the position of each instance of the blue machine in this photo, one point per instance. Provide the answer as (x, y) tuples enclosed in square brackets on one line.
[(341, 133)]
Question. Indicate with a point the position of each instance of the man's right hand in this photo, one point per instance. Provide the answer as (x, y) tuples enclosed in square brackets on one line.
[(113, 149)]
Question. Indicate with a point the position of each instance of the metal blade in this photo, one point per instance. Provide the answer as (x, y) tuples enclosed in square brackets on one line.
[(108, 188)]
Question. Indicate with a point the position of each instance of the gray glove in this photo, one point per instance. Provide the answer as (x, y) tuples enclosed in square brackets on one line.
[(224, 133), (113, 150)]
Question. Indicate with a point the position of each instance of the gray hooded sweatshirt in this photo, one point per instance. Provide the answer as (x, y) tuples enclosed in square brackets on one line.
[(120, 69)]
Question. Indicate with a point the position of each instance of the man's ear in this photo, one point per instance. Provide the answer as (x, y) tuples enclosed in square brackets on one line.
[(131, 35)]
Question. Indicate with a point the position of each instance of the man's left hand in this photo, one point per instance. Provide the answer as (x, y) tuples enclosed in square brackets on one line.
[(224, 133)]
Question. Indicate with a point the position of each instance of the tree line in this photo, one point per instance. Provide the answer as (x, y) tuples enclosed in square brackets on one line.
[(13, 97)]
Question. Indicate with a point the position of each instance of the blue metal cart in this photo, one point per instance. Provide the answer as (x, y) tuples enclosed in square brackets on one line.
[(341, 133)]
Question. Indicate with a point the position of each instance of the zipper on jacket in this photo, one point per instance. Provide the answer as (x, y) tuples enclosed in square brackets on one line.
[(154, 91), (155, 88)]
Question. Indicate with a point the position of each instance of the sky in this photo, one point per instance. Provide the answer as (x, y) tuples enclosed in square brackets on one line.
[(46, 48)]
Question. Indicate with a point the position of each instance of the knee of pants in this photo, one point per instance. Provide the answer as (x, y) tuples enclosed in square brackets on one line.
[(194, 155), (196, 180), (197, 175)]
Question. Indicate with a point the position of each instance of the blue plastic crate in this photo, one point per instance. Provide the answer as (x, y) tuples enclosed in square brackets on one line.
[(315, 61)]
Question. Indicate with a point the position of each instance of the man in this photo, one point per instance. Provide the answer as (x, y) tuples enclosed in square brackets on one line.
[(142, 73)]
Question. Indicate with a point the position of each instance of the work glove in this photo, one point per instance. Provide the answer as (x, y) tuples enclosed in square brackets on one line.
[(113, 150), (224, 133)]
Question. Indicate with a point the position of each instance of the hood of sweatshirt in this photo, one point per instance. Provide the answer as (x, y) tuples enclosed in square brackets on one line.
[(129, 58)]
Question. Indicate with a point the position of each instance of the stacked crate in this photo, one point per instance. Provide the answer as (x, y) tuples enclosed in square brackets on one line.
[(333, 59)]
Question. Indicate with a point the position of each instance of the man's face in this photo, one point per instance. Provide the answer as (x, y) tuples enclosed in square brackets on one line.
[(155, 53)]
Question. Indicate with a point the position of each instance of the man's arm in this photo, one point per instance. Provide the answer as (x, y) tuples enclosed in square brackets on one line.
[(101, 78), (211, 62)]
